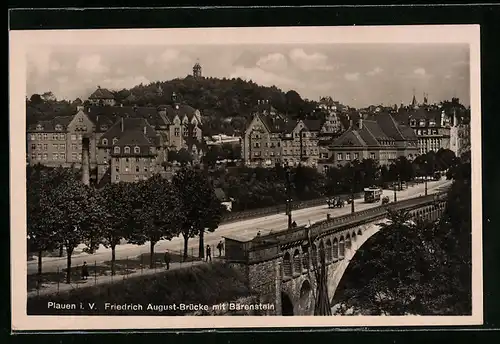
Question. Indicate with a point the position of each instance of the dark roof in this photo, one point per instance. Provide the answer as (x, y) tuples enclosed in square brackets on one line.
[(102, 93), (277, 125), (407, 132), (129, 124), (350, 138), (389, 126), (375, 130), (50, 125), (313, 124), (181, 111), (132, 139)]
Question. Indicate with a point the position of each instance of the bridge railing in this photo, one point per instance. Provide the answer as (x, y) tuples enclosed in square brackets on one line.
[(268, 244), (279, 208)]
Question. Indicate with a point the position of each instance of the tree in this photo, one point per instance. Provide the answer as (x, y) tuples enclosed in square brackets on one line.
[(154, 215), (199, 208), (118, 201), (72, 206), (42, 234), (36, 99), (444, 158), (184, 157)]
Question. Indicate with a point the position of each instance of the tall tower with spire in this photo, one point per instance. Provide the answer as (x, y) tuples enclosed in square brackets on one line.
[(197, 69), (414, 100)]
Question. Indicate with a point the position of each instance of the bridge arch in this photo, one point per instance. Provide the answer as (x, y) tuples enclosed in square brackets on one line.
[(341, 248), (287, 265), (321, 249), (348, 242), (286, 304), (305, 298), (305, 260), (353, 237), (335, 249), (297, 268), (328, 256), (314, 255), (360, 232)]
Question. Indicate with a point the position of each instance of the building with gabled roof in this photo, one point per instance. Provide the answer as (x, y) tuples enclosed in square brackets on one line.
[(102, 96), (379, 138)]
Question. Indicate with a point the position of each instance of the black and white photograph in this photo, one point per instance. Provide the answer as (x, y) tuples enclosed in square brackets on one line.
[(321, 176)]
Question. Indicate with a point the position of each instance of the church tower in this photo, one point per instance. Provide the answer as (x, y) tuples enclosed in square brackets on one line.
[(197, 70)]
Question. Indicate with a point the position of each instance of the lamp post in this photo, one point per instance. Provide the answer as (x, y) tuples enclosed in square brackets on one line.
[(288, 187), (352, 188), (394, 188)]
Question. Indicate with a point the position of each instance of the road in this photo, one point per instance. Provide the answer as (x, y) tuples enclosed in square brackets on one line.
[(246, 229)]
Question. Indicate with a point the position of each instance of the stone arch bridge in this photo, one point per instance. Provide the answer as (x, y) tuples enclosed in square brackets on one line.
[(279, 266)]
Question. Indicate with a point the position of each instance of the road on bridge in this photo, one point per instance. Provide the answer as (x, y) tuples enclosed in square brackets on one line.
[(246, 229)]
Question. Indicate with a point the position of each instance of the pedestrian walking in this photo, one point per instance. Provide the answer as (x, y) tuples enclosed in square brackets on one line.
[(85, 271), (166, 257), (209, 254), (220, 247)]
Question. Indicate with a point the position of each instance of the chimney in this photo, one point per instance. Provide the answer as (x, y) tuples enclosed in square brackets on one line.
[(122, 124), (85, 160), (144, 131)]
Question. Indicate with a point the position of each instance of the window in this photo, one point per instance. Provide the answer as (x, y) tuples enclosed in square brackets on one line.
[(105, 142), (55, 137), (137, 159), (38, 136), (104, 127), (33, 137), (62, 146), (117, 177), (73, 146), (117, 168), (137, 169), (33, 156), (176, 132), (62, 136), (186, 131), (39, 156), (115, 140), (117, 160), (339, 156), (39, 127), (145, 168), (73, 137), (73, 156), (194, 133), (33, 146), (137, 150), (117, 149), (126, 168), (348, 156), (79, 156), (79, 137), (356, 156), (55, 156), (39, 146), (45, 146), (45, 156), (45, 136), (256, 145), (413, 123), (80, 119), (54, 146), (372, 156), (126, 160), (58, 127), (284, 152), (62, 156), (126, 150)]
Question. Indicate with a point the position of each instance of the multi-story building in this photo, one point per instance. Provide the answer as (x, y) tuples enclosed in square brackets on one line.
[(58, 142), (380, 138), (434, 129), (272, 139), (125, 143)]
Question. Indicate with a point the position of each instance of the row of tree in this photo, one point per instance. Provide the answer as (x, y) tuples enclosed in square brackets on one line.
[(261, 187), (63, 212), (416, 267)]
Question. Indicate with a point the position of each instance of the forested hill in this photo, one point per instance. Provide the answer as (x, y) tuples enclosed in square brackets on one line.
[(226, 104)]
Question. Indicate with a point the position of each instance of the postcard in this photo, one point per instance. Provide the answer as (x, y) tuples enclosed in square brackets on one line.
[(269, 177)]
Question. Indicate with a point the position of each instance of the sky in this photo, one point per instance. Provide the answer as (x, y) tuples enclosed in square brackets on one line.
[(357, 75)]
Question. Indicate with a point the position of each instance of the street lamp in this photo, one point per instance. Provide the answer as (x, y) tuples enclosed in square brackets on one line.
[(288, 187), (352, 188), (394, 188)]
